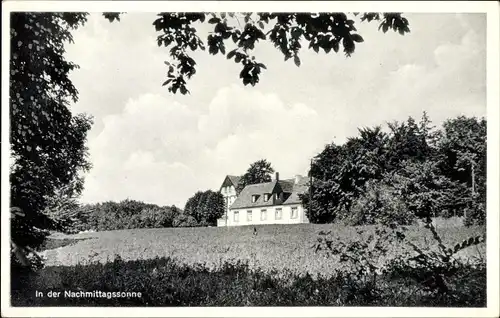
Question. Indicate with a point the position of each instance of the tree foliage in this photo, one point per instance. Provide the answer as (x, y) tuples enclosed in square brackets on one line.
[(47, 140), (426, 171), (260, 171), (235, 35), (126, 214), (205, 207), (462, 158)]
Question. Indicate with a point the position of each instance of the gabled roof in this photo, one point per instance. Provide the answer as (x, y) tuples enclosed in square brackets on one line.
[(234, 180), (288, 187), (244, 200), (300, 187), (230, 180)]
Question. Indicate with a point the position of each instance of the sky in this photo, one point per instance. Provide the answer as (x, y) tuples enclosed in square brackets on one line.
[(148, 144)]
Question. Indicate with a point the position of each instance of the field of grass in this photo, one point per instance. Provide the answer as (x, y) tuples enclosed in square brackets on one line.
[(233, 267), (275, 247)]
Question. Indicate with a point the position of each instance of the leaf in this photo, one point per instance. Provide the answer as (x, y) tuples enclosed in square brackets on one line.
[(213, 49), (261, 25), (235, 37), (296, 60), (231, 54), (357, 38), (336, 46), (214, 20), (167, 82)]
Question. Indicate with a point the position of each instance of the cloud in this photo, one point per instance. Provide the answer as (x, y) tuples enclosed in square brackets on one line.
[(162, 151), (452, 83)]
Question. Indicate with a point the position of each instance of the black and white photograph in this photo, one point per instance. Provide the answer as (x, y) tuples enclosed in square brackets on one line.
[(275, 158)]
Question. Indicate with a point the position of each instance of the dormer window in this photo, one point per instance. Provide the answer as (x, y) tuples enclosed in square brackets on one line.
[(254, 198), (266, 197)]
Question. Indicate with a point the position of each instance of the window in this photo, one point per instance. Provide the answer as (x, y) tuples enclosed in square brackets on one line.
[(294, 213), (263, 215), (249, 215), (278, 214), (236, 216), (254, 198), (266, 197)]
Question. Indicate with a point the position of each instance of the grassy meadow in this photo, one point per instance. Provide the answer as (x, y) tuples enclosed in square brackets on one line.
[(278, 247), (233, 267)]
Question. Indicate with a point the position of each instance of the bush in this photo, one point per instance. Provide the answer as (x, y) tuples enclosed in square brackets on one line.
[(183, 220), (127, 214), (165, 282), (434, 272), (379, 204), (476, 214)]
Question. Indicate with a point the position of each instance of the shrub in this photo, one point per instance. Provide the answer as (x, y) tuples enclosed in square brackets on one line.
[(379, 204), (165, 282), (433, 271), (127, 214), (475, 214), (183, 220)]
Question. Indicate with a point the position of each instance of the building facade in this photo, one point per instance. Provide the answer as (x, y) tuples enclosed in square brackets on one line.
[(228, 190), (275, 202)]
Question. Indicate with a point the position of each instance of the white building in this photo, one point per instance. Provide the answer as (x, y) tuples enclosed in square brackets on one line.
[(275, 202)]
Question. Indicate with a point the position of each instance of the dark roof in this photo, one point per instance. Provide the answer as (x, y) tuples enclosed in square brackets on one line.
[(234, 180), (244, 199), (288, 186), (300, 187), (230, 180)]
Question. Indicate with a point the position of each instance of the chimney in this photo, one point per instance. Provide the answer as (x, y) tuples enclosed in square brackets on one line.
[(277, 176)]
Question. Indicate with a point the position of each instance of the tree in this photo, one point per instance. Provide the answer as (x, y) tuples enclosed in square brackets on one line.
[(238, 33), (205, 207), (425, 191), (405, 161), (66, 212), (47, 140), (380, 203), (258, 172), (462, 157), (408, 141), (340, 173)]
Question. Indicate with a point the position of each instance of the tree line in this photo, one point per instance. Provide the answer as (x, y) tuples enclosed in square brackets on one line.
[(412, 170)]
